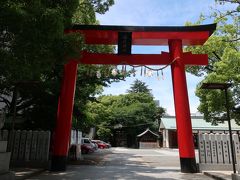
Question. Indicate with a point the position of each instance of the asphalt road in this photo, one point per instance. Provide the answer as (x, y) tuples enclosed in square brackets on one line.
[(122, 163)]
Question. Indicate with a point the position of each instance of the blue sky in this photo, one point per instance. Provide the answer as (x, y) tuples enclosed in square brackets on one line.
[(156, 13)]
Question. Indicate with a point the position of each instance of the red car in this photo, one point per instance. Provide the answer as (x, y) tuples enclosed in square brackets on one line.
[(101, 144), (86, 148)]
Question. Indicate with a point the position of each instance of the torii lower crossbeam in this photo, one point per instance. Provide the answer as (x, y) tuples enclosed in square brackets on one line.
[(141, 59)]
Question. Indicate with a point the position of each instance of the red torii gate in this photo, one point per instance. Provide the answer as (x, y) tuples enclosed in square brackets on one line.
[(125, 37)]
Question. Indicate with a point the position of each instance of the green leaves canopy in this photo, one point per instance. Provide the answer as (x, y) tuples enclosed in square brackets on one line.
[(135, 110), (33, 50), (224, 60), (139, 87), (130, 110)]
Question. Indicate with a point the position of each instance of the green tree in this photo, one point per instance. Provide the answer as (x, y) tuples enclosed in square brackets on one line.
[(104, 133), (139, 87), (160, 112), (224, 60), (33, 50), (134, 111)]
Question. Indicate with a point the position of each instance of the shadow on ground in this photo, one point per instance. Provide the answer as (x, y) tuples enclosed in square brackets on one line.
[(107, 164)]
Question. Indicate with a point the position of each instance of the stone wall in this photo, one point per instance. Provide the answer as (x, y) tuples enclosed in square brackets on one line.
[(215, 151), (28, 148)]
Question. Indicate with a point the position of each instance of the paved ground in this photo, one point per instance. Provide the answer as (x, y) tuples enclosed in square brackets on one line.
[(24, 173), (121, 163)]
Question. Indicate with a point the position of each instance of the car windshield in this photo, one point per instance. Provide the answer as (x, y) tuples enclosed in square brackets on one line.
[(86, 141)]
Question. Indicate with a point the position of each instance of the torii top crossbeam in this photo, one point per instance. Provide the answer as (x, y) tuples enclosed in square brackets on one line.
[(126, 36), (145, 35)]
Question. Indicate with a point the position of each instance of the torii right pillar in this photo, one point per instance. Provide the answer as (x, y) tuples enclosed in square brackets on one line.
[(182, 110)]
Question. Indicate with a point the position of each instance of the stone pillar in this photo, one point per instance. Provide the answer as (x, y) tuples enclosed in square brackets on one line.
[(167, 138), (219, 148), (79, 142), (5, 157), (207, 147), (226, 153), (212, 138), (201, 147)]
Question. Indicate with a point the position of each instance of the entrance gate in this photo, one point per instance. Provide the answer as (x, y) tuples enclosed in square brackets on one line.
[(125, 37)]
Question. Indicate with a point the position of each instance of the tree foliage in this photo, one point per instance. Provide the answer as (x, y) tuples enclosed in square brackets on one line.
[(34, 49), (133, 110), (139, 87), (130, 110), (224, 60)]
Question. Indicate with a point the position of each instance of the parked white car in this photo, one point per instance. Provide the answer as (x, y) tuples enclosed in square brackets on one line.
[(87, 146)]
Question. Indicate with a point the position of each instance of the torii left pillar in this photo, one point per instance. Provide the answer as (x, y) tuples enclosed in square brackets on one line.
[(61, 135)]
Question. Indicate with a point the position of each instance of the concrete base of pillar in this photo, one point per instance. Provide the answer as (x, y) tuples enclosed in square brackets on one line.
[(4, 161), (7, 175), (58, 163), (235, 176), (3, 146), (5, 157), (215, 167), (188, 165)]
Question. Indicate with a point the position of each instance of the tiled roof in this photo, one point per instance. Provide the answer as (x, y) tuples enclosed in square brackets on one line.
[(147, 130), (198, 123)]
